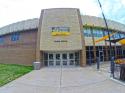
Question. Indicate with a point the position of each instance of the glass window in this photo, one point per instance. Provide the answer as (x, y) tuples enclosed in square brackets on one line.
[(100, 33), (50, 56), (64, 56), (119, 34), (51, 63), (122, 35), (1, 40), (106, 32), (77, 55), (57, 56), (15, 37), (87, 32), (116, 36), (71, 56), (97, 33)]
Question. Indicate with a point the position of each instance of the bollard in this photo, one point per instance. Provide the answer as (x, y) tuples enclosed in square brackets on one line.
[(98, 63), (112, 67)]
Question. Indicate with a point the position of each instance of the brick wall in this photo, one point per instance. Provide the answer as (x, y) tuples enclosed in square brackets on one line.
[(22, 51)]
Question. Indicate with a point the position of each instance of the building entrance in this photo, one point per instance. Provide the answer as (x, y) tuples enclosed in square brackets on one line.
[(61, 58)]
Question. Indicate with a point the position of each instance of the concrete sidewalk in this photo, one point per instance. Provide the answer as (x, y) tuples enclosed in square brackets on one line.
[(65, 80)]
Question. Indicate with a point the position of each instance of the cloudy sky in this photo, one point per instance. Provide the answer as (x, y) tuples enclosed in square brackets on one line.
[(16, 10)]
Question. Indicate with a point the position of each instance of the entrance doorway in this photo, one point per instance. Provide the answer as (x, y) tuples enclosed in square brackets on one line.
[(61, 58)]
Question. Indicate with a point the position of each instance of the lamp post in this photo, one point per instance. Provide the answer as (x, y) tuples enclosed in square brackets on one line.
[(110, 49)]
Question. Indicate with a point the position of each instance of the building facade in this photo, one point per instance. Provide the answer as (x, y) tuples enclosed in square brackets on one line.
[(60, 37)]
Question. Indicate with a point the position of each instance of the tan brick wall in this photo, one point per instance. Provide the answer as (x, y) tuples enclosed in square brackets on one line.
[(19, 52), (38, 52), (83, 51), (65, 17)]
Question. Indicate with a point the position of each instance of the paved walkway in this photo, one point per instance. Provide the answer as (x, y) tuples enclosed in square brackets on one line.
[(65, 80)]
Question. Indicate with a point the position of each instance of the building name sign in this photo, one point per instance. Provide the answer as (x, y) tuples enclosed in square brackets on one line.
[(60, 41), (60, 31)]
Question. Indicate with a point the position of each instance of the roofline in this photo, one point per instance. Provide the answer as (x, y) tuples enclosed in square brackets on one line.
[(88, 21), (98, 22)]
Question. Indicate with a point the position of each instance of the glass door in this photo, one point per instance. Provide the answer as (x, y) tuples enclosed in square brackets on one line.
[(57, 59), (64, 59), (71, 59), (50, 59)]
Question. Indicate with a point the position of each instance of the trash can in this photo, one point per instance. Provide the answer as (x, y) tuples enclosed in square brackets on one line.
[(122, 72), (36, 65)]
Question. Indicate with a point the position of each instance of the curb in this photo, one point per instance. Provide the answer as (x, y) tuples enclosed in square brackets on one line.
[(118, 81)]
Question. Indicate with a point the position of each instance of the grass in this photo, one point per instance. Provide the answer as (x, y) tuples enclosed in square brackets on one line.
[(9, 72)]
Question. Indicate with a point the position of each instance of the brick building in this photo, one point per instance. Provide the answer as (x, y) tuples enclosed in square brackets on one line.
[(60, 37)]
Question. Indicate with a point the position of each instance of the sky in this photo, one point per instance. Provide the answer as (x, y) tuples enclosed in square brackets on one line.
[(12, 11)]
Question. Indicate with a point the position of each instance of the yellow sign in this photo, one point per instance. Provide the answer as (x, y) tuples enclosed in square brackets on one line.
[(104, 38), (122, 42), (60, 33)]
